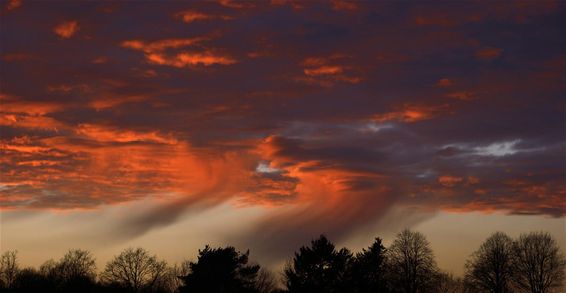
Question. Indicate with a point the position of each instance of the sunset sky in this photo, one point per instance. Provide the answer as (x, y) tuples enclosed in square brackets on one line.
[(170, 125)]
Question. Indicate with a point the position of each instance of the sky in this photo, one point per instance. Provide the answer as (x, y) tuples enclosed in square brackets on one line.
[(171, 125)]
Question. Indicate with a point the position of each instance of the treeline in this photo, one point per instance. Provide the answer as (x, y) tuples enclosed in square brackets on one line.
[(530, 263)]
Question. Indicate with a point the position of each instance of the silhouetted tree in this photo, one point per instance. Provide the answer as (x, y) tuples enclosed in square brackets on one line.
[(9, 268), (136, 271), (489, 269), (221, 270), (31, 280), (368, 270), (538, 265), (174, 274), (447, 283), (318, 268), (413, 269), (266, 281), (74, 272)]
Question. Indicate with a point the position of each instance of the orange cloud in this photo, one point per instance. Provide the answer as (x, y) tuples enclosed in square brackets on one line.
[(11, 57), (461, 95), (411, 113), (26, 121), (110, 100), (108, 134), (488, 53), (161, 45), (449, 181), (186, 59), (236, 4), (323, 70), (444, 82), (100, 60), (155, 53), (12, 104), (189, 16), (66, 29), (37, 163), (13, 4), (344, 5), (295, 4)]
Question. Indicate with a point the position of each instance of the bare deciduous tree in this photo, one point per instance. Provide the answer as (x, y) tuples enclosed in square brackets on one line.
[(175, 273), (413, 268), (9, 268), (489, 269), (266, 281), (538, 264), (77, 263), (448, 283), (136, 270)]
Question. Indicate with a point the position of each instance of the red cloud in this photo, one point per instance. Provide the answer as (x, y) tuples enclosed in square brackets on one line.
[(461, 95), (326, 71), (186, 59), (155, 53), (157, 46), (344, 5), (449, 181), (13, 4), (444, 82), (411, 113), (108, 134), (189, 16), (488, 53), (236, 4), (11, 104), (323, 70), (66, 29)]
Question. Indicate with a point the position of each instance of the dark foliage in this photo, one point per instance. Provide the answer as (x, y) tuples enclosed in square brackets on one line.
[(318, 268), (368, 270), (221, 270)]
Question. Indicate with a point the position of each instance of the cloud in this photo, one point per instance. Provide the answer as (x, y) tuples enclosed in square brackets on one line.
[(412, 113), (106, 134), (344, 5), (449, 181), (110, 100), (189, 16), (444, 82), (13, 104), (461, 95), (323, 70), (13, 4), (236, 4), (187, 59), (12, 57), (498, 149), (488, 53), (155, 53), (160, 45), (327, 121), (67, 29), (326, 71)]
